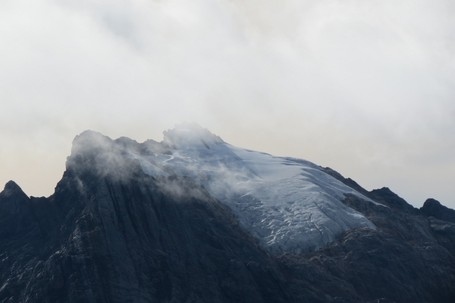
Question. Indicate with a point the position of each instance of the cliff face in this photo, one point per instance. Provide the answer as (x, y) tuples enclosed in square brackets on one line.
[(114, 232), (105, 240)]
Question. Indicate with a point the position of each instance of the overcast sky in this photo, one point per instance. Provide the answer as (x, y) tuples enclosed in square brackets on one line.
[(366, 87)]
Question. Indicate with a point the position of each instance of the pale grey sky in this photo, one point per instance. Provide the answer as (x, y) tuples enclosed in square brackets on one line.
[(366, 87)]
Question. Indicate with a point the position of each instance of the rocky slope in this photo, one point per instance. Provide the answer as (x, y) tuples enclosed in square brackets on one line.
[(190, 219)]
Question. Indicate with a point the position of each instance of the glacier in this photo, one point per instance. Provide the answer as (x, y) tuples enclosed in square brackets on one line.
[(289, 205)]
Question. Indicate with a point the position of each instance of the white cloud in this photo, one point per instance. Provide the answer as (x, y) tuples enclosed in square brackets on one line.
[(363, 86)]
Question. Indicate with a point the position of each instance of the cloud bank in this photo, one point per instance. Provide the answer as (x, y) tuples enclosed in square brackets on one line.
[(365, 87)]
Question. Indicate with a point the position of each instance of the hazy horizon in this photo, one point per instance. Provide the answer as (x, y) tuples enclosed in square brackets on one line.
[(364, 87)]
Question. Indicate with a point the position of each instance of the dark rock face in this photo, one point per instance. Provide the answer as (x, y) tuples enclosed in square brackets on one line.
[(442, 222), (387, 197), (434, 208), (383, 195), (126, 242), (110, 237), (403, 260)]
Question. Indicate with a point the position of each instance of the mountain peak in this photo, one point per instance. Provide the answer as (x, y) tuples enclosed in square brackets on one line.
[(264, 191), (89, 143), (387, 197), (432, 203), (190, 135), (12, 189), (90, 139), (434, 208)]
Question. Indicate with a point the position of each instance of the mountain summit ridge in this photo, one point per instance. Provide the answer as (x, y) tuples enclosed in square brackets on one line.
[(288, 204)]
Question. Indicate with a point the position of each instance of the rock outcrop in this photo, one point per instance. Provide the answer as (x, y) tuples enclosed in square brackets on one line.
[(435, 209)]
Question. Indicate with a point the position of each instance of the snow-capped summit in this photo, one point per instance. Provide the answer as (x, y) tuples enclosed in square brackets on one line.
[(288, 204), (190, 135)]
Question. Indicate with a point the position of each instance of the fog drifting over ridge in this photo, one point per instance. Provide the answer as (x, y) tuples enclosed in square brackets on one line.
[(365, 87)]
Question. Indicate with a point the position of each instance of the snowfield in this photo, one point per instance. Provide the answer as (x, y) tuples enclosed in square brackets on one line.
[(290, 205)]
